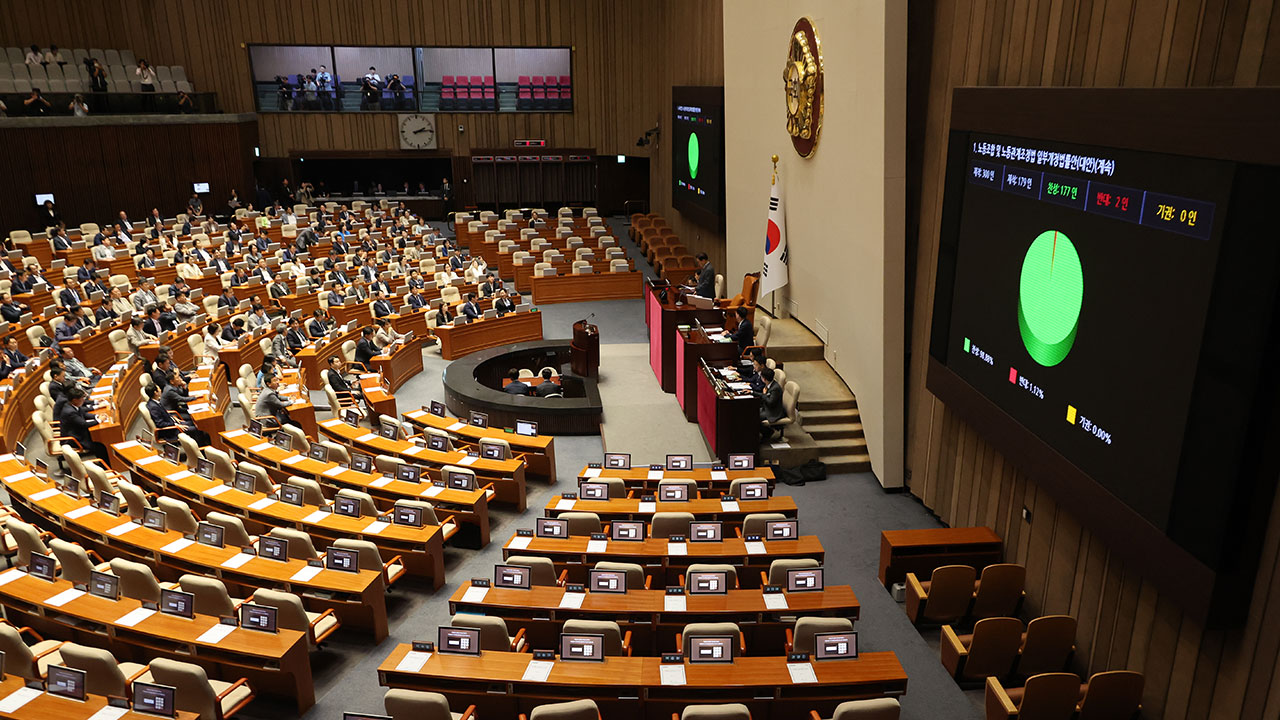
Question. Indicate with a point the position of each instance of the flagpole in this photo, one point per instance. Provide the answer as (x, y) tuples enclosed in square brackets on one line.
[(773, 296)]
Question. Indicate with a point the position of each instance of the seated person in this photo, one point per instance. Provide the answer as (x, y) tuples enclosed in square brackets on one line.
[(503, 304), (75, 420), (546, 387), (471, 309), (743, 334), (271, 405), (232, 332), (318, 325), (516, 387), (365, 349), (771, 409)]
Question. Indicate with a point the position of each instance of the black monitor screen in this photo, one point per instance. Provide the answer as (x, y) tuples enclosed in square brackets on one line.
[(708, 583), (407, 515), (176, 602), (742, 462), (673, 492), (551, 528), (835, 646), (439, 443), (617, 461), (607, 581), (705, 531), (408, 473), (512, 576), (753, 491), (244, 482), (204, 468), (679, 462), (781, 529), (340, 559), (66, 682), (479, 419), (526, 427), (804, 579), (593, 491), (154, 699), (292, 494), (492, 451), (461, 480), (43, 566), (626, 530), (258, 617), (104, 585), (318, 452), (209, 534), (361, 462), (711, 649), (154, 519), (581, 647), (697, 153), (346, 506), (283, 440), (461, 641), (273, 548)]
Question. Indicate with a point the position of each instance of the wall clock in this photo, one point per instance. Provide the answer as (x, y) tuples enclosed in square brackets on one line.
[(417, 131), (802, 77)]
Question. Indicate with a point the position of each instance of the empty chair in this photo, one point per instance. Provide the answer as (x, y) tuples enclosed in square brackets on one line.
[(666, 524), (691, 485), (730, 571), (261, 481), (371, 559), (403, 704), (755, 523), (1112, 695), (735, 485), (1047, 645), (710, 629), (210, 699), (292, 615), (104, 675), (872, 709), (75, 562), (300, 545), (777, 574), (223, 468), (1050, 696), (28, 538), (800, 638), (725, 711), (990, 650), (944, 598), (615, 643), (581, 523), (233, 533), (367, 506), (494, 635), (177, 515), (572, 710), (211, 596), (542, 569), (191, 449), (136, 580), (636, 579), (617, 487), (29, 661), (1000, 592)]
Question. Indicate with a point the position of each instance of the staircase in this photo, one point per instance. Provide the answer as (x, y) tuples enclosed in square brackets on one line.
[(836, 428)]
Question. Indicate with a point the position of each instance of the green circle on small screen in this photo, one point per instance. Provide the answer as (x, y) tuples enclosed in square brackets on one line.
[(1050, 294), (693, 155)]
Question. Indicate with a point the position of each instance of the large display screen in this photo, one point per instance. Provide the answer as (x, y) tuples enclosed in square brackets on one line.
[(697, 147), (1082, 280)]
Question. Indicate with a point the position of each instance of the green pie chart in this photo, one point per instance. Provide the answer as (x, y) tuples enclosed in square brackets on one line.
[(1050, 294), (693, 155)]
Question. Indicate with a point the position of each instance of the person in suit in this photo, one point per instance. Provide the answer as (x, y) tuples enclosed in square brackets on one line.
[(516, 387), (771, 409), (263, 271), (152, 324), (136, 336), (445, 315), (213, 341), (119, 303), (11, 309), (228, 299), (280, 349), (77, 371), (59, 385), (416, 300), (271, 404), (743, 334), (175, 398), (75, 420), (415, 280), (146, 295), (385, 334), (455, 263), (318, 325), (503, 304), (12, 354), (381, 306), (359, 291), (258, 317), (294, 337), (183, 308), (336, 376), (162, 370), (72, 294), (60, 240), (471, 309), (69, 328), (21, 283), (148, 259), (279, 288), (706, 278), (88, 270), (167, 428), (220, 263), (546, 387), (234, 329), (336, 295), (369, 271), (365, 348)]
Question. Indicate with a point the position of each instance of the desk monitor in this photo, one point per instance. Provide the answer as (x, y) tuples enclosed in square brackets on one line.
[(66, 682), (154, 519), (154, 699), (104, 585), (204, 468), (746, 461), (459, 641), (109, 503), (627, 530), (706, 531), (593, 491), (318, 452), (407, 515), (68, 485), (273, 548), (209, 534), (258, 617), (361, 462), (340, 559), (408, 472), (389, 430), (460, 480), (283, 440), (753, 491), (679, 462), (712, 582), (42, 566), (710, 649), (551, 528), (351, 416), (781, 530), (436, 408), (673, 493), (835, 646), (292, 494), (479, 419), (244, 482), (512, 576), (804, 579), (607, 581), (255, 428), (617, 461), (346, 506), (579, 647), (527, 428), (176, 602), (170, 452), (492, 450)]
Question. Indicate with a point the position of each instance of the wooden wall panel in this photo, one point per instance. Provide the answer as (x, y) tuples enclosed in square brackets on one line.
[(1191, 672)]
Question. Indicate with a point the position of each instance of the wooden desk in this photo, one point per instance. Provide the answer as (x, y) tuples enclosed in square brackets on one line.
[(662, 319), (274, 663), (730, 423), (51, 707), (631, 687), (467, 506), (357, 598), (577, 555), (19, 404), (415, 322), (459, 340), (95, 351), (404, 362), (645, 613), (314, 358), (507, 476), (921, 551), (523, 273), (246, 352), (537, 451), (306, 303), (583, 288), (376, 394), (706, 508), (715, 481), (692, 346), (206, 381)]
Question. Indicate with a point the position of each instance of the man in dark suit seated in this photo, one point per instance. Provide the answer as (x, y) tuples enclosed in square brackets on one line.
[(318, 325), (471, 309), (59, 385), (166, 427), (174, 398), (546, 387), (11, 352), (21, 283), (381, 306), (228, 299), (365, 349), (271, 404), (516, 387), (233, 330), (87, 271), (706, 283), (71, 295), (416, 299), (295, 337), (743, 334), (11, 309), (336, 295), (503, 304), (75, 420), (69, 328), (771, 409)]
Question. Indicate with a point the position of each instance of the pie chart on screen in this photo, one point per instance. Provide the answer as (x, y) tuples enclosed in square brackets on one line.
[(693, 155), (1050, 295)]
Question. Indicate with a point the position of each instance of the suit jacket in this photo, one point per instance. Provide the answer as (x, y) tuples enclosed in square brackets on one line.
[(546, 387), (104, 312), (382, 308), (18, 287), (174, 400), (516, 387), (296, 340), (415, 301), (771, 410), (222, 265), (15, 357), (339, 276), (69, 297), (75, 422), (58, 390), (61, 243), (365, 350), (337, 381), (11, 311), (706, 282), (455, 263), (280, 289), (504, 305), (142, 299), (228, 301), (152, 326), (335, 298), (471, 310), (316, 328), (84, 273), (166, 428), (744, 336), (67, 331), (369, 274), (270, 403)]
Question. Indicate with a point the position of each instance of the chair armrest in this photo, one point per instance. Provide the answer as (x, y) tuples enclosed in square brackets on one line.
[(386, 567), (24, 630), (648, 581), (243, 703), (916, 597), (517, 642), (50, 650), (94, 556), (742, 642), (143, 671), (998, 702), (953, 652), (68, 440), (626, 642), (764, 578), (469, 713), (320, 617), (790, 641), (564, 576)]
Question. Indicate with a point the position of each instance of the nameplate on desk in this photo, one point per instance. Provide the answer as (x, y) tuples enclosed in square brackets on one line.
[(565, 503), (215, 634), (293, 460), (592, 472), (647, 506), (801, 672), (262, 503), (217, 490), (671, 674), (381, 482), (79, 512), (64, 597), (756, 548), (537, 671), (597, 546), (375, 527), (413, 661), (520, 542), (572, 600), (729, 505), (307, 573), (475, 594), (315, 517), (45, 494), (719, 475), (134, 616), (367, 437), (775, 601), (237, 560), (180, 475), (119, 530), (468, 460), (177, 546), (334, 471)]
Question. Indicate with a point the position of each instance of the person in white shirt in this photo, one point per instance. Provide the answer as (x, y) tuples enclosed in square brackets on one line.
[(106, 250), (289, 218), (258, 317), (146, 76), (212, 340), (54, 55), (371, 75), (78, 106), (34, 56)]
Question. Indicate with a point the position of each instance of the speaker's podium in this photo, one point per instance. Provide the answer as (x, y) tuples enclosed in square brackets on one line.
[(584, 349)]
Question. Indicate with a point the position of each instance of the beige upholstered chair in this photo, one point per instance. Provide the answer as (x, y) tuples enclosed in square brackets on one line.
[(572, 710), (292, 615), (581, 523), (800, 638), (777, 574), (666, 524), (494, 636), (104, 675), (944, 598), (872, 709), (726, 711), (403, 704), (371, 559), (136, 580), (755, 523), (300, 545), (636, 578), (211, 596), (178, 515), (29, 661), (711, 628), (210, 699), (615, 643)]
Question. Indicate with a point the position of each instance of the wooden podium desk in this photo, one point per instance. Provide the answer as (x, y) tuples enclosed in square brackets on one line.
[(115, 404), (356, 314), (422, 549), (52, 707), (459, 340), (95, 351), (523, 273), (653, 620), (715, 481), (274, 663), (415, 322), (729, 422), (662, 319), (376, 394), (507, 476), (314, 358), (921, 551), (579, 553), (358, 599), (583, 288), (402, 363), (693, 345), (306, 304), (537, 451), (632, 688), (704, 508), (466, 506), (245, 352)]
